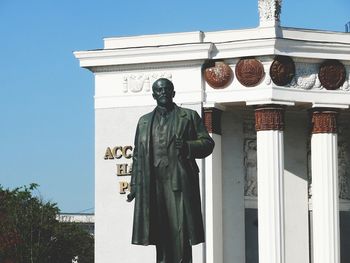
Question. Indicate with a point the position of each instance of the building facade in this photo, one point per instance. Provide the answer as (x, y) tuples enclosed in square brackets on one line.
[(276, 102), (85, 220)]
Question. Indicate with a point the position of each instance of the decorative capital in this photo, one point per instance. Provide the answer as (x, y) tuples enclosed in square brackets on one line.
[(212, 120), (324, 121), (269, 12), (269, 117)]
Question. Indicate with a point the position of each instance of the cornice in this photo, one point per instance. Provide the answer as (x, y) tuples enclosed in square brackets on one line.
[(266, 41), (147, 66), (315, 35), (153, 40), (312, 49), (245, 48), (124, 56), (281, 46)]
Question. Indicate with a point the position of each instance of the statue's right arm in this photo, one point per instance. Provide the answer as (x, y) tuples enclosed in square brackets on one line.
[(133, 180)]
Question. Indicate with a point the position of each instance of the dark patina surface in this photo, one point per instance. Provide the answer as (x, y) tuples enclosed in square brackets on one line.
[(165, 181), (282, 70), (332, 74)]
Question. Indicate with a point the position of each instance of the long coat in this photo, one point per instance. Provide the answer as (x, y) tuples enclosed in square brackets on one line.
[(190, 128)]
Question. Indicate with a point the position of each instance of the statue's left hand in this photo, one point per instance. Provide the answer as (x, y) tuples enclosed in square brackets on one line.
[(182, 146), (130, 197)]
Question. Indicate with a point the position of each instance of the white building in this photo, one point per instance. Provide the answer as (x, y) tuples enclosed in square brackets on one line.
[(276, 102), (85, 220)]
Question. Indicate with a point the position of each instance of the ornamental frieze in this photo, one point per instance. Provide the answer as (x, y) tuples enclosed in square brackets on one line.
[(312, 76), (306, 77), (250, 161), (142, 82)]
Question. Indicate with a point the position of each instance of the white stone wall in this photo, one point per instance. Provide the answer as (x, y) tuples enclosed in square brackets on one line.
[(121, 98), (233, 187)]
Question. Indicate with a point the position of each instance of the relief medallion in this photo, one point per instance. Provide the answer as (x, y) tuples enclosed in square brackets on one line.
[(282, 70), (249, 72), (332, 74), (218, 74)]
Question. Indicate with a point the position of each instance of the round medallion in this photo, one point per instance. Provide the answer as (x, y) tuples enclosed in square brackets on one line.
[(332, 74), (249, 72), (218, 74), (282, 70)]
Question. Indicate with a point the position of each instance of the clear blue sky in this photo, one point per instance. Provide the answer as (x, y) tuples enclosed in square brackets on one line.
[(46, 100)]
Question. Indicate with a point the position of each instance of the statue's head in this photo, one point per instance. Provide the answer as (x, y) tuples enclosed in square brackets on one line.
[(163, 92)]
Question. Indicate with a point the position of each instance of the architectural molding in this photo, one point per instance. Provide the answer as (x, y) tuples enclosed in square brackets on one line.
[(123, 56), (312, 48), (147, 66)]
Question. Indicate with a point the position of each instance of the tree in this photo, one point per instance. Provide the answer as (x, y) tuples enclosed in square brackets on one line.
[(31, 233)]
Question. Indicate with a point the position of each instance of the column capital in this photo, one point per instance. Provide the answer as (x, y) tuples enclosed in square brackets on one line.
[(212, 120), (324, 120), (269, 117)]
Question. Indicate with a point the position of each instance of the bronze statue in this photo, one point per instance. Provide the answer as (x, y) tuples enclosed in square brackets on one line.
[(165, 181)]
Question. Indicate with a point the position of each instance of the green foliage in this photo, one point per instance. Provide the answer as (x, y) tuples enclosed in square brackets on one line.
[(31, 233)]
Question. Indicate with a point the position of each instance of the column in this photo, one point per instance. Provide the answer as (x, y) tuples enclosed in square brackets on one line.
[(269, 124), (213, 190), (325, 192)]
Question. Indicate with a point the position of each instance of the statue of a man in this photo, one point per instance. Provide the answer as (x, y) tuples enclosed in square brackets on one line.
[(165, 181)]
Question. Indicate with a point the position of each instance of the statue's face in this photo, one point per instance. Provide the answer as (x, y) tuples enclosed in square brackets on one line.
[(163, 92)]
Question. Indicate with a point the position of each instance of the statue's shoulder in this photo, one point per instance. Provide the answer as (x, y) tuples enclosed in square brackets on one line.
[(187, 111), (146, 117)]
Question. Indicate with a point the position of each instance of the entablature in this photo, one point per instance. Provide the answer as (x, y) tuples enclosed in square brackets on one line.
[(136, 60)]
